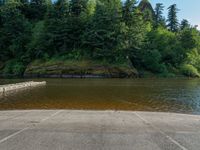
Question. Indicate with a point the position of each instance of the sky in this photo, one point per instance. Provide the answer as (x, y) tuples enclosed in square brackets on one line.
[(189, 9)]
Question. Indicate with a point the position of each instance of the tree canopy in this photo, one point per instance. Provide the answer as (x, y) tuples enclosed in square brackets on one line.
[(103, 30)]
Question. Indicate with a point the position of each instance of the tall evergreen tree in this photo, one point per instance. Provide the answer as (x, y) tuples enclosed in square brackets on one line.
[(62, 29), (172, 18), (128, 10), (135, 31), (184, 24), (38, 9), (102, 33), (77, 6), (50, 35), (75, 23), (24, 7), (61, 8), (15, 31), (159, 19), (1, 5), (24, 1)]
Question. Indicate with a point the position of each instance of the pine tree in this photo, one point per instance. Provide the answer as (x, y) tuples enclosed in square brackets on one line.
[(24, 1), (134, 38), (77, 7), (128, 9), (15, 31), (159, 19), (51, 35), (24, 7), (1, 5), (38, 9), (61, 8), (172, 18), (134, 30), (184, 24), (102, 33)]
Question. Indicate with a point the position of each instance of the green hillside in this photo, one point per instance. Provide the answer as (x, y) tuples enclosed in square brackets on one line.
[(95, 38)]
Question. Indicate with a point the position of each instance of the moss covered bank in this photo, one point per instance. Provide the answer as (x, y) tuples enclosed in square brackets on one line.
[(78, 69)]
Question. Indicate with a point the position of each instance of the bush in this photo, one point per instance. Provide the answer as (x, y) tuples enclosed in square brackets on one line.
[(75, 54), (14, 67), (8, 68), (190, 71), (193, 58), (72, 55), (18, 69), (152, 62)]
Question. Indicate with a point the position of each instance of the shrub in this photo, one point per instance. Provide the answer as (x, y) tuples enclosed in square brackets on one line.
[(190, 71), (75, 54), (18, 69), (8, 68), (193, 58), (14, 67), (152, 62)]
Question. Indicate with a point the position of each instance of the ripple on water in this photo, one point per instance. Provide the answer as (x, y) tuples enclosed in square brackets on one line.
[(168, 95)]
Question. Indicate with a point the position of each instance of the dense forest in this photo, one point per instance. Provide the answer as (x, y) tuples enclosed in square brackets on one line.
[(96, 37)]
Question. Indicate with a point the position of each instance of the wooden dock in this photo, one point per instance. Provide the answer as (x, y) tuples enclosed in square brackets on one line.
[(23, 85)]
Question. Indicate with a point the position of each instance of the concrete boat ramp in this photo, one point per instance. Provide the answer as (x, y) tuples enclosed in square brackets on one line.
[(20, 86), (97, 130)]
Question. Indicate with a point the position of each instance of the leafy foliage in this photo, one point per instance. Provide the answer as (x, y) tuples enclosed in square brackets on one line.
[(152, 61), (14, 67), (190, 71), (184, 24), (107, 31)]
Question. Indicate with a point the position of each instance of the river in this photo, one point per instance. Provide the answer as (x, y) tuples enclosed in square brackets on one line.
[(163, 95)]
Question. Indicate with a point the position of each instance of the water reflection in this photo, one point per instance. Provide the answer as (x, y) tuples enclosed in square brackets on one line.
[(168, 95)]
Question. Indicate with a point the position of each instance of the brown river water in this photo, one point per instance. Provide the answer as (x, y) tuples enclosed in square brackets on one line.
[(163, 95)]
